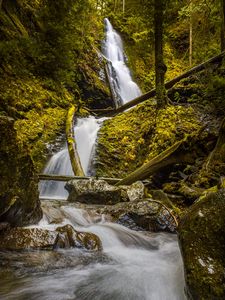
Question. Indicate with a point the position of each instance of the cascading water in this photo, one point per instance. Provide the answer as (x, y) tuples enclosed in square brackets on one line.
[(86, 130), (132, 266), (126, 89)]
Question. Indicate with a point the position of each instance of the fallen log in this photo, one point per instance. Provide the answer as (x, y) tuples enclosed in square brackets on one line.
[(177, 153), (74, 157), (66, 178), (168, 85)]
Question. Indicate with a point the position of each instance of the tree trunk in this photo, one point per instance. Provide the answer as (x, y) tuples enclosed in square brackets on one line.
[(191, 36), (123, 6), (160, 67), (115, 5), (222, 25)]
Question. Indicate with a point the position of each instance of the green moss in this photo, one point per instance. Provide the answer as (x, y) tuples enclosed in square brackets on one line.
[(40, 129), (135, 137), (201, 234)]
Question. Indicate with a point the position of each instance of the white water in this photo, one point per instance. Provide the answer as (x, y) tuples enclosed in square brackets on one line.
[(121, 78), (133, 265), (85, 130)]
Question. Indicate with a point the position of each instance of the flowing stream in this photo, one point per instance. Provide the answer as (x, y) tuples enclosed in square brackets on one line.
[(134, 265)]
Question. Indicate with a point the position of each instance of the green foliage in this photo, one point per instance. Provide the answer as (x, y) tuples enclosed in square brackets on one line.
[(47, 62)]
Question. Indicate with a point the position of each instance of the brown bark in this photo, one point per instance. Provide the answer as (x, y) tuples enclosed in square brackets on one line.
[(190, 36), (222, 25), (160, 67)]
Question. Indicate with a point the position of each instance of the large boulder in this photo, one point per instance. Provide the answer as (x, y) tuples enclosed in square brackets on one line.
[(145, 214), (202, 242), (19, 201), (95, 191), (20, 238)]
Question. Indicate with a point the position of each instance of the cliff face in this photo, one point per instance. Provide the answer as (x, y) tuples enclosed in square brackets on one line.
[(19, 202)]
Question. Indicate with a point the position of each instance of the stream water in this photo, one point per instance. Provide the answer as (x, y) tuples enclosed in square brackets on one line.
[(133, 265)]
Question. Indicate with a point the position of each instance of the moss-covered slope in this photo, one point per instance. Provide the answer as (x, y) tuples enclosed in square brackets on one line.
[(128, 140)]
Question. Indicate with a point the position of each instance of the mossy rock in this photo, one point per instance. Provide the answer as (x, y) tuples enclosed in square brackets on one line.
[(19, 201), (202, 241), (20, 238)]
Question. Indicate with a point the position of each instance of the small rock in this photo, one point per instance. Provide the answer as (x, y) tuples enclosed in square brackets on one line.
[(69, 237), (136, 191)]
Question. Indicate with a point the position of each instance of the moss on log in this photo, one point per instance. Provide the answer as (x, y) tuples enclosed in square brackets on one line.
[(68, 178), (74, 157)]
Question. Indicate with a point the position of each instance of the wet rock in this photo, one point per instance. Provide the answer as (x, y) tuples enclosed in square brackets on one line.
[(69, 237), (19, 201), (146, 214), (202, 241), (53, 213), (100, 192), (22, 238)]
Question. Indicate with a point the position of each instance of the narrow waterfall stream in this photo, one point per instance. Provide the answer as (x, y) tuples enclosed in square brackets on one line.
[(86, 130), (125, 88), (133, 265)]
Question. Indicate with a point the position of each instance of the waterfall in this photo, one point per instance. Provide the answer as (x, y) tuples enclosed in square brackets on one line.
[(125, 88), (85, 131), (132, 265), (58, 164)]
